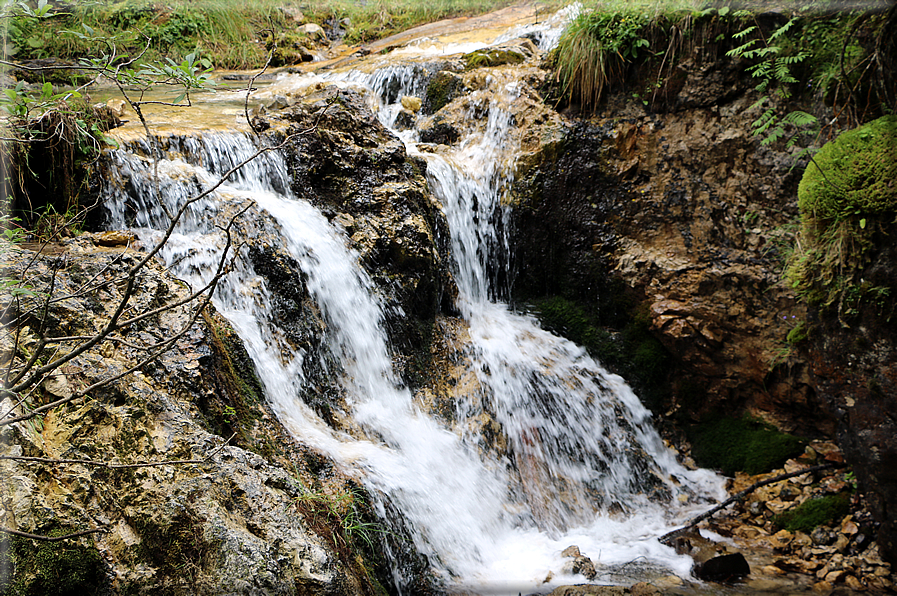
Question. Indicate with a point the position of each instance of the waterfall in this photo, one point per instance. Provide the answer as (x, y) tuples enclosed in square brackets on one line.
[(583, 464)]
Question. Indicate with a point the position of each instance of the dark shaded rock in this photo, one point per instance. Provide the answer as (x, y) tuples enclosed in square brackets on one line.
[(442, 88), (438, 131), (355, 170), (854, 369), (722, 568)]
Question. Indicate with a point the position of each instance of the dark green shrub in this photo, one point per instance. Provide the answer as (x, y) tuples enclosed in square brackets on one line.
[(734, 445), (814, 512)]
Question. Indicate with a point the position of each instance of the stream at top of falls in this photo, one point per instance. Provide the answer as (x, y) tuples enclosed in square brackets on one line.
[(583, 465)]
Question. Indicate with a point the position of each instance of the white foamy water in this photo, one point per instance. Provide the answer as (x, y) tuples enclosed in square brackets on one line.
[(583, 465)]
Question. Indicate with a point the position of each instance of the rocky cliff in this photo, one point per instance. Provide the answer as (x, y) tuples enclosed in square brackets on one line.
[(180, 469)]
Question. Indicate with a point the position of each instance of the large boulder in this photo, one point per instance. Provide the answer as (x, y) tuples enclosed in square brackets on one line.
[(359, 175)]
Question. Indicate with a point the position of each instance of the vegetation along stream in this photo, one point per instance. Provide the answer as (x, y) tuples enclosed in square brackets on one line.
[(497, 304)]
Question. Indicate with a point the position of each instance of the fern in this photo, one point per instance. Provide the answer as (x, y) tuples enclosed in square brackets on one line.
[(773, 71)]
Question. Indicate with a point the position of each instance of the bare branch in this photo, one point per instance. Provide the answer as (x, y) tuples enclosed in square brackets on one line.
[(102, 464), (739, 496), (52, 538), (163, 347)]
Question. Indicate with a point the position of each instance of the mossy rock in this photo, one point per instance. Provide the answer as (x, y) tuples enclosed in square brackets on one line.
[(493, 57), (813, 513), (443, 88), (512, 52), (741, 444), (64, 568), (854, 175)]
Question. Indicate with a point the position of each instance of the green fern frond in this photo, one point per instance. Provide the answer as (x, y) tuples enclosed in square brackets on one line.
[(745, 32), (782, 30)]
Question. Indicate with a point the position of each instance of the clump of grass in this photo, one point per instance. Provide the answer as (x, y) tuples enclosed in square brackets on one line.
[(733, 445), (813, 513), (603, 48), (229, 32)]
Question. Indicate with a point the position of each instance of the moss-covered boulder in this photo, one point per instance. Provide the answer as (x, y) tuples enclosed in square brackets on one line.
[(854, 175)]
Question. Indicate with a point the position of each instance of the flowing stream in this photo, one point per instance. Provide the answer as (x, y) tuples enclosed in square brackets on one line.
[(583, 464)]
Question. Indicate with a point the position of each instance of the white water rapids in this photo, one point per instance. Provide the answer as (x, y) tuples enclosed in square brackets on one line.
[(582, 455)]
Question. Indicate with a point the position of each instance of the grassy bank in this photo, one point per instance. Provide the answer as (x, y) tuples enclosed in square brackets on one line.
[(809, 51), (229, 32)]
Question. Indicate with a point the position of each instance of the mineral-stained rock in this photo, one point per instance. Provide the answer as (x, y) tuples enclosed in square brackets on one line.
[(352, 167), (230, 521)]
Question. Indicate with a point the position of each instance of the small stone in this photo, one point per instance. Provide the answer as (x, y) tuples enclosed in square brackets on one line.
[(312, 31), (571, 551), (849, 527), (279, 102), (585, 567), (823, 536), (801, 540), (789, 492), (114, 238), (668, 581), (822, 587), (777, 506), (841, 543), (411, 103), (781, 539), (834, 577), (854, 584), (722, 568), (772, 570), (116, 106)]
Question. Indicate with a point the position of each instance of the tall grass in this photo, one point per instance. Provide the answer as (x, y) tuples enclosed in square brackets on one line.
[(636, 45), (227, 31)]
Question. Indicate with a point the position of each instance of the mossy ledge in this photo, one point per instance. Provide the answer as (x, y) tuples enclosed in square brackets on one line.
[(741, 444)]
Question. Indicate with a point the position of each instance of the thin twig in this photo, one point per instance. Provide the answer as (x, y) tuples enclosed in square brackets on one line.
[(52, 538), (101, 464)]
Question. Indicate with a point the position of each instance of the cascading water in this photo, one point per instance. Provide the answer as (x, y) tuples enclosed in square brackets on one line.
[(583, 465)]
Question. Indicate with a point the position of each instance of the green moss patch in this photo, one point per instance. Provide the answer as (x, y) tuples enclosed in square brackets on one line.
[(847, 199), (65, 568), (813, 513), (853, 175), (741, 445)]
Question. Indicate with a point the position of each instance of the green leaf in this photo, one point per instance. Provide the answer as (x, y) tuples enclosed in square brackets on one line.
[(863, 223)]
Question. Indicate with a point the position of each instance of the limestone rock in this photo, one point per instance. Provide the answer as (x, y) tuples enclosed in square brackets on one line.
[(231, 520)]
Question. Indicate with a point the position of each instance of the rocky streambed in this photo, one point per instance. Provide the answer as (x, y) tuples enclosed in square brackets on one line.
[(667, 227)]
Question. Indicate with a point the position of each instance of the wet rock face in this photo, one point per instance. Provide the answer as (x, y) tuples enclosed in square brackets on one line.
[(854, 369), (235, 520), (359, 175), (689, 212)]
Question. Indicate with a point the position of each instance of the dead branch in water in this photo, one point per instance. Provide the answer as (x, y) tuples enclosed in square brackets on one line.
[(666, 538)]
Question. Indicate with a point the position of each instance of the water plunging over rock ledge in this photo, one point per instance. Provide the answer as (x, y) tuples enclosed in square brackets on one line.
[(457, 446), (575, 447)]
